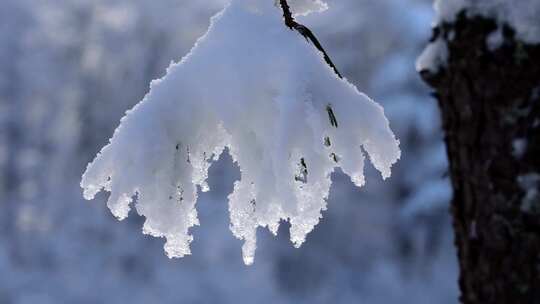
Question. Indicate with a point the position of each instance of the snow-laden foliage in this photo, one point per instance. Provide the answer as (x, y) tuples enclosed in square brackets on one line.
[(259, 89)]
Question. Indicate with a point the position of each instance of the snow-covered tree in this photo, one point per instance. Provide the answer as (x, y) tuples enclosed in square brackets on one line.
[(483, 62), (278, 105)]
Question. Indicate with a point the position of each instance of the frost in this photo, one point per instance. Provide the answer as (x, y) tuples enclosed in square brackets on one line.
[(433, 57), (259, 89), (522, 15)]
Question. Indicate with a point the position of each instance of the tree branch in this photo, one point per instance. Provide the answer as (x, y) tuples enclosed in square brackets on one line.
[(306, 33)]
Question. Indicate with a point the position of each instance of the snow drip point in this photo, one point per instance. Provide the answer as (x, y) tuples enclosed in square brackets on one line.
[(257, 88)]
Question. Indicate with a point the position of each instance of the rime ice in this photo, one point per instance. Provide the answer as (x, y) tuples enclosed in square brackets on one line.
[(258, 88)]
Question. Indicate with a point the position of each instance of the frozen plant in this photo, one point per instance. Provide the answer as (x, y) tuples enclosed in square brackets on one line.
[(254, 86)]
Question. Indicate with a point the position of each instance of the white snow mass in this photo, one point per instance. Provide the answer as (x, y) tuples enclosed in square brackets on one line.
[(259, 89), (305, 7), (434, 56)]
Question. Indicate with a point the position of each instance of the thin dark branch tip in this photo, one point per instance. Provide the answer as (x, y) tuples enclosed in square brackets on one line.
[(287, 15), (306, 33)]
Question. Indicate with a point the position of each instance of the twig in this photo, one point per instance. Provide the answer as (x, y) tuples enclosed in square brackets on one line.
[(306, 33)]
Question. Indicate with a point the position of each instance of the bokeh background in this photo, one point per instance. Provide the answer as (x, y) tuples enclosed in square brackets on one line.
[(69, 69)]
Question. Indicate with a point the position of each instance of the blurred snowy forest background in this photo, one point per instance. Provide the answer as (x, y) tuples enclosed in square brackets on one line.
[(70, 69)]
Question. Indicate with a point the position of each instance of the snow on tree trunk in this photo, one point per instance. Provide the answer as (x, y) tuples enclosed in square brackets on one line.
[(259, 89), (484, 66)]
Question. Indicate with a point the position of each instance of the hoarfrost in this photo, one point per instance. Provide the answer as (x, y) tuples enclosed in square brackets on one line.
[(259, 89)]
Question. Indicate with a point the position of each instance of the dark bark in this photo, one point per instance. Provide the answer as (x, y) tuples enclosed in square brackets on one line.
[(490, 104)]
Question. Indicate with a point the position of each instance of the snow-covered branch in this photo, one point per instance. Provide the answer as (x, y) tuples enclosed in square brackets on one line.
[(253, 86)]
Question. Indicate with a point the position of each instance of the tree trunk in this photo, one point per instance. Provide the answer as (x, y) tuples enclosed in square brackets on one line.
[(490, 104)]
